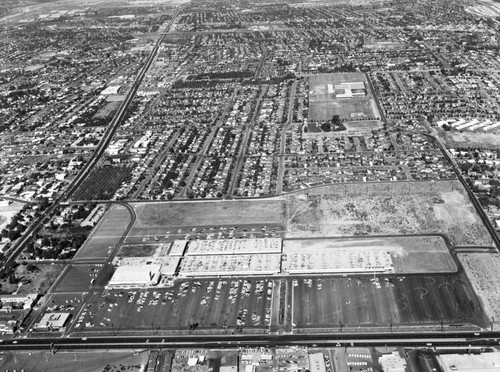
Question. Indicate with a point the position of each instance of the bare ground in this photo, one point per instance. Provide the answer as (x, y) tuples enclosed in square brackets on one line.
[(362, 210), (482, 269)]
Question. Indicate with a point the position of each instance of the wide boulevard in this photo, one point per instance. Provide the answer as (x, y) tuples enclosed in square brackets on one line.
[(467, 339)]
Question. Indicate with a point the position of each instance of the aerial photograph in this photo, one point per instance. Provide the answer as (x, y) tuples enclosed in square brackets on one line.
[(250, 185)]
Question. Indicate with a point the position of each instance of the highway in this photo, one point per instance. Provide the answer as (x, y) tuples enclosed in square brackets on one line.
[(457, 339)]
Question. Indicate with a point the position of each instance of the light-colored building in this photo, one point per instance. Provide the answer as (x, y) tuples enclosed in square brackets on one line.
[(52, 321), (27, 300), (234, 246), (392, 362), (111, 90), (320, 256), (177, 248), (486, 362), (237, 264), (130, 276)]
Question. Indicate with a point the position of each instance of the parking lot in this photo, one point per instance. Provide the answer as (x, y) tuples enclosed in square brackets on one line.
[(78, 278), (164, 234), (385, 300), (234, 304)]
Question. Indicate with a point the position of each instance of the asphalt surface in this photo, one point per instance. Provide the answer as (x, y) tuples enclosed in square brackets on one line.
[(470, 339)]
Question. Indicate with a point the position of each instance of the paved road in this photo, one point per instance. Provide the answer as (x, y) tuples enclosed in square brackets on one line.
[(472, 197), (18, 246), (223, 341), (281, 166)]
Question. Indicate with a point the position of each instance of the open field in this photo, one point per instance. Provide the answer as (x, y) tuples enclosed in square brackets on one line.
[(383, 208), (108, 110), (343, 107), (75, 361), (482, 271), (137, 250), (365, 125), (399, 300), (409, 254), (211, 303), (35, 281), (107, 233), (471, 139), (324, 102), (208, 213)]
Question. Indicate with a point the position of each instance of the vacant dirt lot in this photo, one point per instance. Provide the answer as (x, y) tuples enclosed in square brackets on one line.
[(472, 139), (209, 213), (379, 209), (324, 110), (483, 273)]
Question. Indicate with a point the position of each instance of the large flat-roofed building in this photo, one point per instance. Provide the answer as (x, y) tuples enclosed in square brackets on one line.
[(177, 248), (304, 256), (485, 362), (234, 246), (145, 270), (129, 276), (241, 264), (169, 267)]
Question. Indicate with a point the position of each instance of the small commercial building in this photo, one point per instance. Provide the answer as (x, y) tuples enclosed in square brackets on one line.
[(9, 301), (52, 321)]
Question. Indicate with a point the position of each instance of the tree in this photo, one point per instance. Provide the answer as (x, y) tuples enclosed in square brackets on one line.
[(31, 267), (326, 127), (13, 235), (43, 202)]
